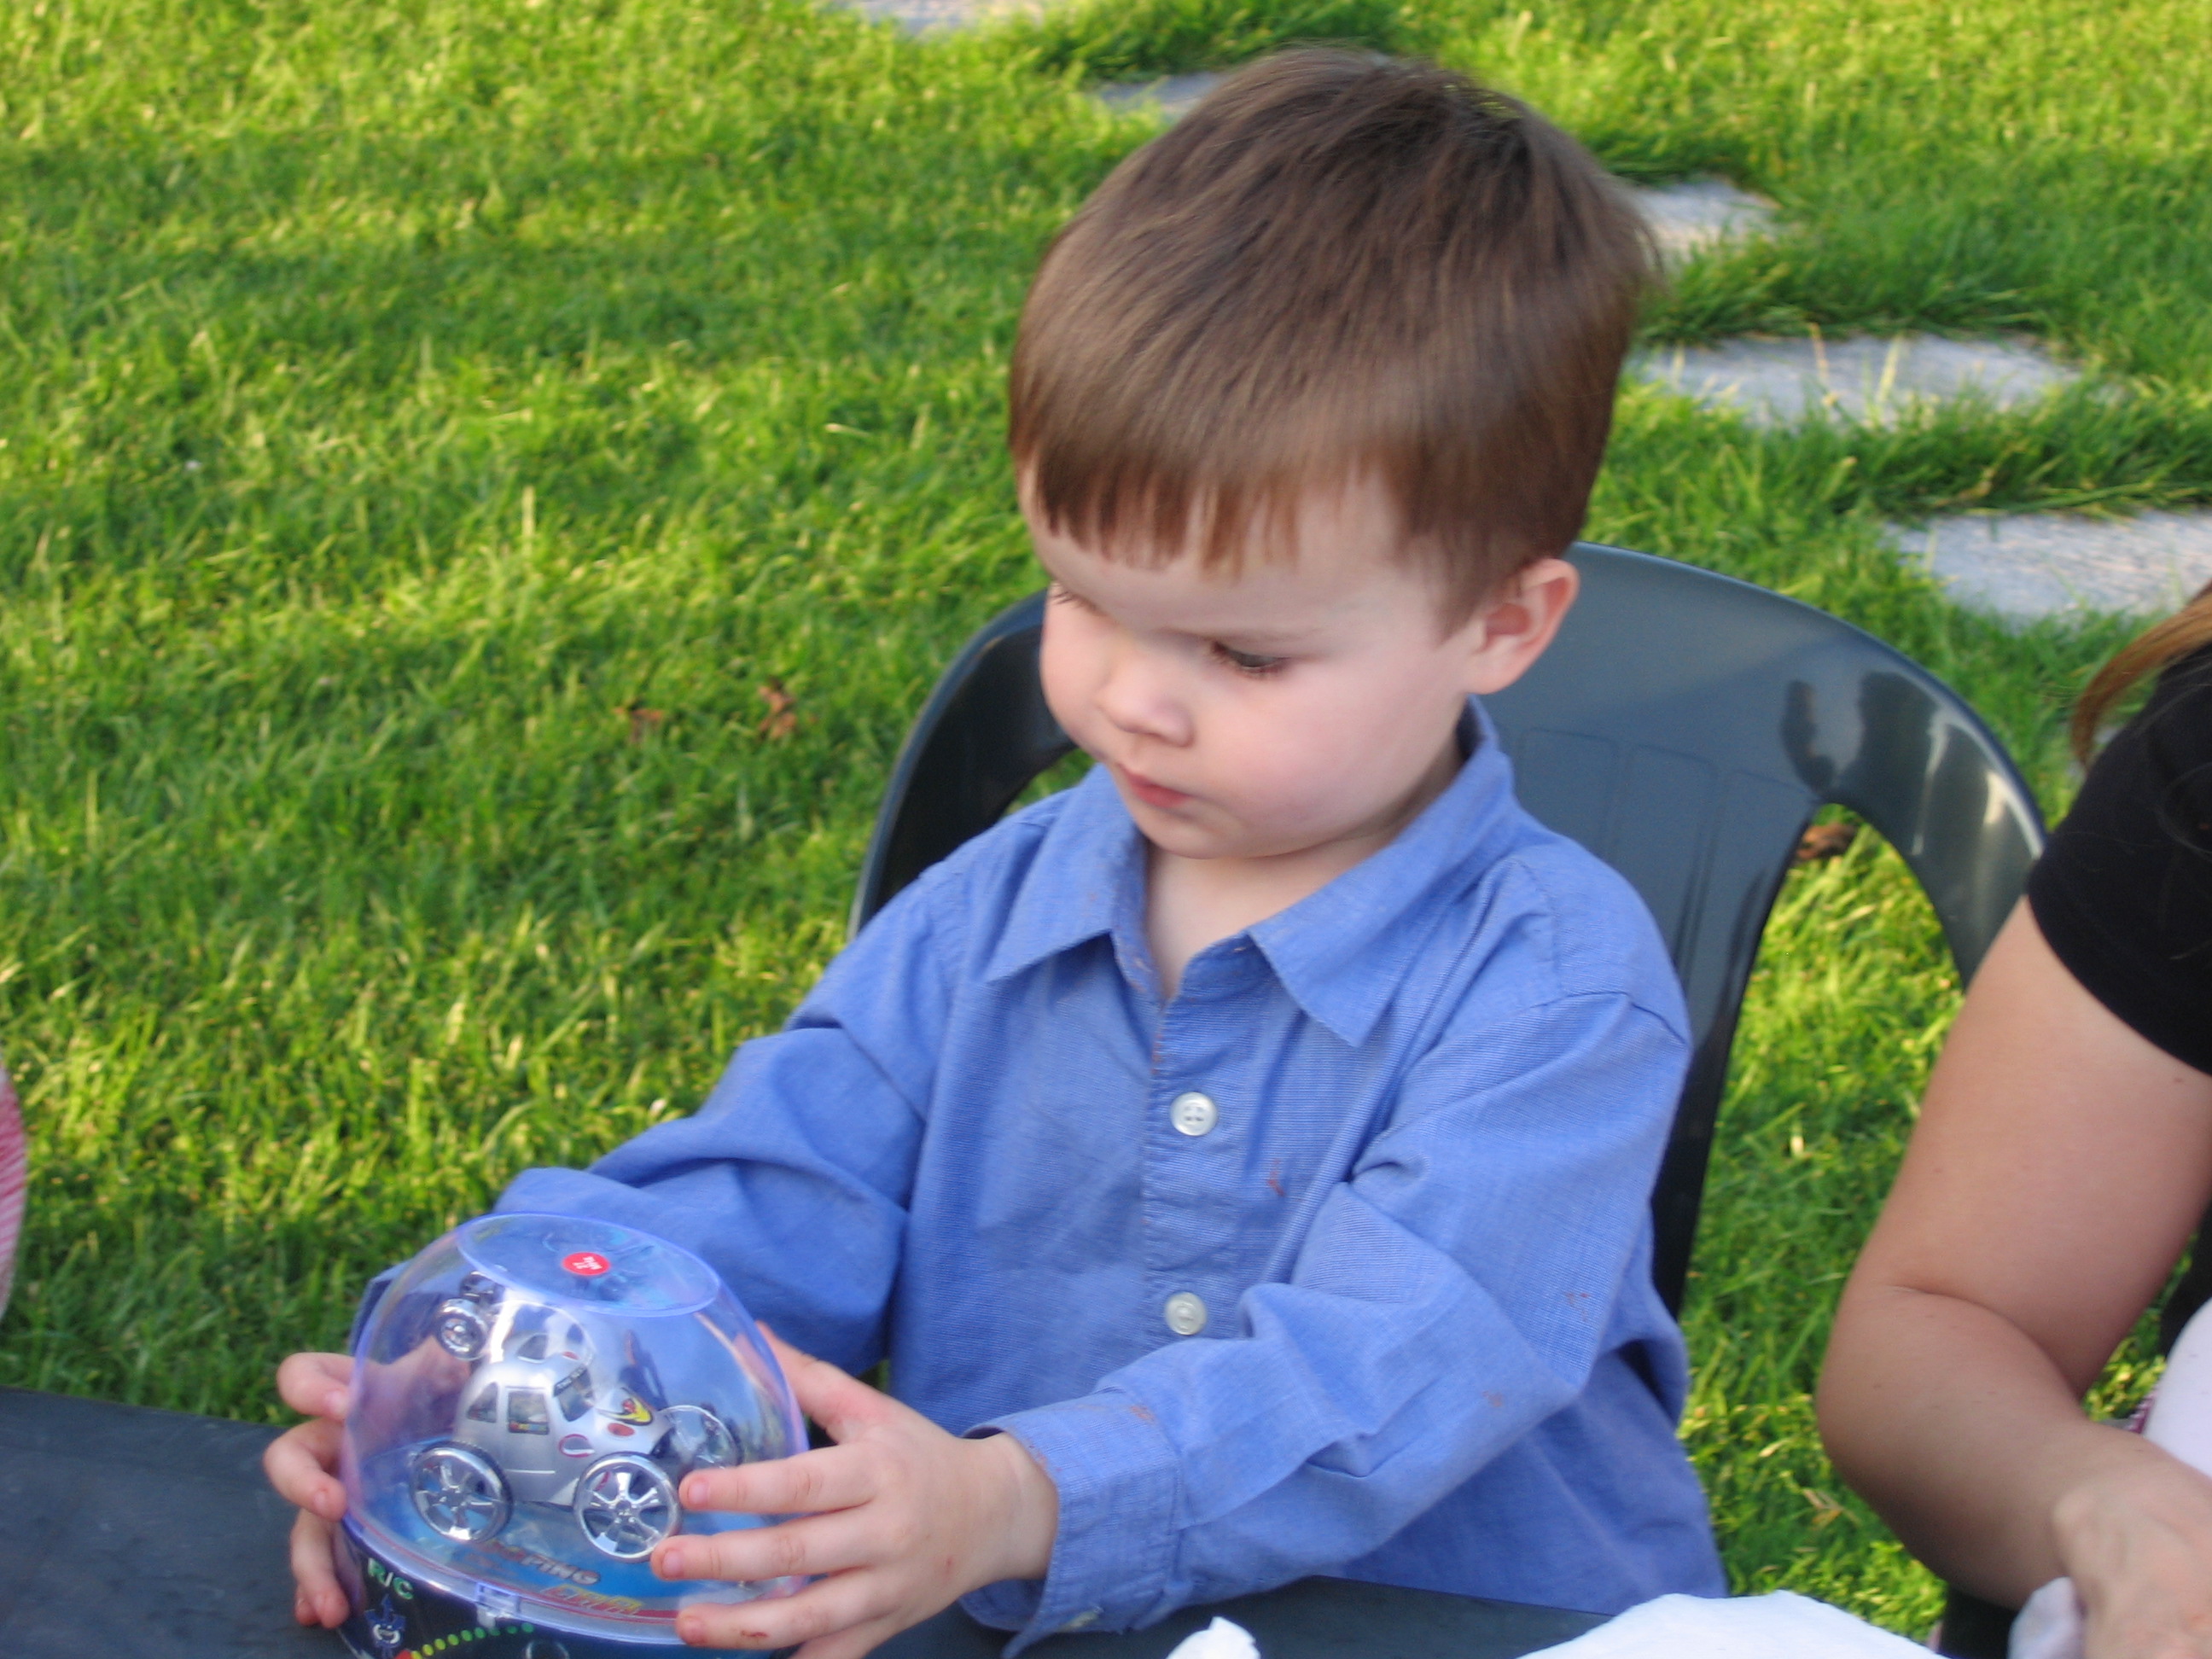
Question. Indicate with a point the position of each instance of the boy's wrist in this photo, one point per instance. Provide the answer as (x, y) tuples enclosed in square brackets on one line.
[(1026, 1505)]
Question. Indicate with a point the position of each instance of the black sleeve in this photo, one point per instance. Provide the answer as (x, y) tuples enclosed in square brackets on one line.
[(2123, 893)]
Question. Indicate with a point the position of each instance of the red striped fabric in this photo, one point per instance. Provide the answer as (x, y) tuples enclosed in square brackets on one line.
[(11, 1184)]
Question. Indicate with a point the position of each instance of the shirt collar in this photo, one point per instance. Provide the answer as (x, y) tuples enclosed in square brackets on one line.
[(1331, 949), (1087, 873)]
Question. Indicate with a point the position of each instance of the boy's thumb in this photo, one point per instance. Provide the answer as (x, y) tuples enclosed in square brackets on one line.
[(841, 1404)]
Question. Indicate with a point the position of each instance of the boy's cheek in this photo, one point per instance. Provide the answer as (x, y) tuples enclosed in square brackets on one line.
[(1276, 759), (1061, 674), (1079, 716)]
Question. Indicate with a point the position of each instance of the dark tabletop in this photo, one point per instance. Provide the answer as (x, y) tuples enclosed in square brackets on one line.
[(131, 1534)]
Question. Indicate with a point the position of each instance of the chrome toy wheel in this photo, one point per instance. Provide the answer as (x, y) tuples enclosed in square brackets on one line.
[(461, 1329), (459, 1492), (699, 1440), (626, 1504)]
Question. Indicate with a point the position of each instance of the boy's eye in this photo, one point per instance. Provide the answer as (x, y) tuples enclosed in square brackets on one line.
[(1246, 662)]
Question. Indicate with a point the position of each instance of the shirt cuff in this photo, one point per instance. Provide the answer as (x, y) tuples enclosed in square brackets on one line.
[(1120, 1487)]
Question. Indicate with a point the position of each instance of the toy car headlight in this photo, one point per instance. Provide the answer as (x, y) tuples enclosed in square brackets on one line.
[(528, 1396)]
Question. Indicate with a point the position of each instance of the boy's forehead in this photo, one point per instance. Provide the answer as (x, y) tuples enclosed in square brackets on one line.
[(1269, 527), (1294, 577)]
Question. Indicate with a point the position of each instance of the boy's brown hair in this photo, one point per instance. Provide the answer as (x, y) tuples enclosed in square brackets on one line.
[(1335, 265)]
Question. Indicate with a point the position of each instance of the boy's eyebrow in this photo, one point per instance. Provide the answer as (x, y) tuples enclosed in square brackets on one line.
[(1275, 639), (1266, 641)]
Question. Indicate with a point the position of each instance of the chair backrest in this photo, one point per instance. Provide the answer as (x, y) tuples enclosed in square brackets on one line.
[(1684, 727), (13, 1178)]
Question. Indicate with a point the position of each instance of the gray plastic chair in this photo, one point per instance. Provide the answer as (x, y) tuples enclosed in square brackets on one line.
[(1684, 727)]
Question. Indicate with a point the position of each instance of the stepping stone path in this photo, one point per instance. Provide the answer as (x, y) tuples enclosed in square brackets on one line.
[(1696, 213), (932, 16), (2022, 566), (1171, 95), (1782, 382), (2019, 566)]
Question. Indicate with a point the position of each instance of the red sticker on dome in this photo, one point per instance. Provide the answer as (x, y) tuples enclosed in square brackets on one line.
[(590, 1264)]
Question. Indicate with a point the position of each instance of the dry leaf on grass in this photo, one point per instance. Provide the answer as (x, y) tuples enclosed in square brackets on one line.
[(782, 717)]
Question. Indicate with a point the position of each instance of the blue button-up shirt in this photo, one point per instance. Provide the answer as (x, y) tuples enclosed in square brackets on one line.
[(1431, 1354)]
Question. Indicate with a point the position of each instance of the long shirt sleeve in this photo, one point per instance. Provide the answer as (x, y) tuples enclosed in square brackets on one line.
[(791, 1180)]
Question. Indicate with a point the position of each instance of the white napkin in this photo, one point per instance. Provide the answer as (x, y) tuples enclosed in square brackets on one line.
[(2049, 1624), (1222, 1639), (1778, 1626)]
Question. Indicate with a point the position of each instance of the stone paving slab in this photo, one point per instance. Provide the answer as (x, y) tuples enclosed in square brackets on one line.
[(1172, 95), (1780, 382), (2026, 566), (1692, 214), (935, 16)]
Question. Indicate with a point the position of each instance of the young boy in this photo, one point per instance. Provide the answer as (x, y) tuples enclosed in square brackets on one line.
[(1241, 1158)]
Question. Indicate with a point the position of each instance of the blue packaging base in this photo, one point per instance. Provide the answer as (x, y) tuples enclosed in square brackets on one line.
[(397, 1616)]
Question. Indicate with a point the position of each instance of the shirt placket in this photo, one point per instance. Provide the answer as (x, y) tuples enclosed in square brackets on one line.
[(1197, 1119)]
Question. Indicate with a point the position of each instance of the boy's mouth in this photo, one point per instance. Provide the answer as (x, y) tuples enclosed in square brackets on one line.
[(1152, 794)]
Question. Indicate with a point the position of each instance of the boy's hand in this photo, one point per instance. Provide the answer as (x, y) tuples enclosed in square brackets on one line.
[(302, 1462), (302, 1465), (899, 1518)]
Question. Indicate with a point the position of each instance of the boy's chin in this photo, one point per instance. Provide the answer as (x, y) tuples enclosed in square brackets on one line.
[(1187, 833), (1183, 831)]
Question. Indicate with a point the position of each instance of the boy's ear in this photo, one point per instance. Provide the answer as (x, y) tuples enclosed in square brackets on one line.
[(1511, 630)]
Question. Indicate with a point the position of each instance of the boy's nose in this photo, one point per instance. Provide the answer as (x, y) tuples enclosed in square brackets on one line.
[(1138, 698)]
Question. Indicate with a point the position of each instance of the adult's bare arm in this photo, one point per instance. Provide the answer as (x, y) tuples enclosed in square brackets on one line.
[(2060, 1164)]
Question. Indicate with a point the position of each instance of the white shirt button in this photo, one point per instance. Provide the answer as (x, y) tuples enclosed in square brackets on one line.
[(1194, 1114), (1186, 1313), (1087, 1617)]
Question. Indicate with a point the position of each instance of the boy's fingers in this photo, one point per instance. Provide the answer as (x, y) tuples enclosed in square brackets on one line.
[(833, 1478), (317, 1600), (298, 1463), (845, 1605), (841, 1404), (316, 1384), (813, 1545)]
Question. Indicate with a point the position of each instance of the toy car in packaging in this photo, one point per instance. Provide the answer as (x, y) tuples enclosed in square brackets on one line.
[(529, 1394)]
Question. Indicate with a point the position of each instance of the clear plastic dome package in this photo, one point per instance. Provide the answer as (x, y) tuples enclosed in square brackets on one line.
[(528, 1396)]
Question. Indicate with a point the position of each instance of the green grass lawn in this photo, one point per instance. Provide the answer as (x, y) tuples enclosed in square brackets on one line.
[(437, 436)]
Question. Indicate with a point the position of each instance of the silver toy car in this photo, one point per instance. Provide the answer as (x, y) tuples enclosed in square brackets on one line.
[(541, 1422)]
